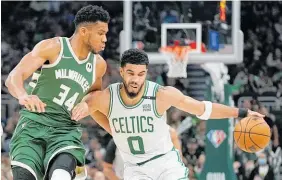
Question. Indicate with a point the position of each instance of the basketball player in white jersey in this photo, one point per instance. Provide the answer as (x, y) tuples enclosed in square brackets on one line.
[(113, 165), (135, 110)]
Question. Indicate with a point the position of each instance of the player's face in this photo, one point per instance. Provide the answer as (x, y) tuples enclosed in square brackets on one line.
[(95, 37), (134, 77)]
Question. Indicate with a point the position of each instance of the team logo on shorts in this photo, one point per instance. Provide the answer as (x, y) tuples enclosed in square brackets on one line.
[(88, 67), (216, 137)]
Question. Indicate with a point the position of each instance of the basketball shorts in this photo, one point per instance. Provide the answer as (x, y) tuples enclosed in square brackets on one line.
[(166, 167), (33, 145)]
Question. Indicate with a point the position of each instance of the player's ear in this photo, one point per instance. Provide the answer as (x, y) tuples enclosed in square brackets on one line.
[(121, 71), (83, 31)]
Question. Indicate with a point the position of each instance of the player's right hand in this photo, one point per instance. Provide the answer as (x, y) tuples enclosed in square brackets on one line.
[(32, 103)]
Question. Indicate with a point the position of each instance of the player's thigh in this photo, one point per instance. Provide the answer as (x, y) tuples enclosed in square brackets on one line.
[(175, 173), (64, 140), (173, 168), (26, 149), (134, 172)]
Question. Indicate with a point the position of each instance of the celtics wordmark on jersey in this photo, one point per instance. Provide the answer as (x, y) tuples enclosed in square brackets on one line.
[(139, 132), (61, 86)]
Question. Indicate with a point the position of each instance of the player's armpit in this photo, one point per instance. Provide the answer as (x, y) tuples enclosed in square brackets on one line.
[(45, 50)]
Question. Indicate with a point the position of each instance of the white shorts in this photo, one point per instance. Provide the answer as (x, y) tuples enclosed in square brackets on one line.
[(166, 167)]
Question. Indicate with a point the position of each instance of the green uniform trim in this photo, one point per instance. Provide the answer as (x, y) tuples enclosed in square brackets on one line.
[(182, 164), (111, 101), (156, 88), (137, 104)]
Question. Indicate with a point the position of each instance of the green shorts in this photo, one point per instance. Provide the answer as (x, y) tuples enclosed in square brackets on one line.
[(34, 145)]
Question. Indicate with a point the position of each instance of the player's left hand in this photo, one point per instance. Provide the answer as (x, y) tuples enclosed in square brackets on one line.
[(253, 113), (80, 111)]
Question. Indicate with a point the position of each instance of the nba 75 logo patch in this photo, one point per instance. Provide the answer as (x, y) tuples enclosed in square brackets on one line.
[(146, 107), (216, 137)]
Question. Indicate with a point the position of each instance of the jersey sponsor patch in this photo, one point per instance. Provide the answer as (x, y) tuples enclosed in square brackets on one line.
[(89, 67), (146, 107)]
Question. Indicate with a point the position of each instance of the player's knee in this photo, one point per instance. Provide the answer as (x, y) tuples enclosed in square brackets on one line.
[(20, 173), (63, 167)]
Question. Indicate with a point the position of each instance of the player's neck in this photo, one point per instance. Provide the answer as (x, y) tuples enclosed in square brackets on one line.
[(131, 101), (77, 46)]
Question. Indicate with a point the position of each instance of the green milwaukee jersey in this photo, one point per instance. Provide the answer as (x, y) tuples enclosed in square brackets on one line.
[(61, 85)]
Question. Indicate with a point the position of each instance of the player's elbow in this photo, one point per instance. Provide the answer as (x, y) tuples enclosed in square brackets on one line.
[(12, 77), (8, 81)]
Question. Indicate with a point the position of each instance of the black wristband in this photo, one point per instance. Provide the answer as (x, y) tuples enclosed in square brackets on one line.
[(242, 112)]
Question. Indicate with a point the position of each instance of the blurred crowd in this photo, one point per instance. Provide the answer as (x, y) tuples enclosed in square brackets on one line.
[(26, 23), (261, 72)]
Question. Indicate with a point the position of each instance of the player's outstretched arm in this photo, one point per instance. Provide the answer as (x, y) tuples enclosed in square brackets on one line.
[(45, 50), (81, 109), (202, 109)]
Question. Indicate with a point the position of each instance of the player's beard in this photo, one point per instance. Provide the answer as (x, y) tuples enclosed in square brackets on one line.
[(131, 94)]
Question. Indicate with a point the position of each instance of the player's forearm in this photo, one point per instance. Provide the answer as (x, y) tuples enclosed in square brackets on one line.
[(15, 85), (110, 174), (177, 145), (102, 120), (206, 109), (220, 111)]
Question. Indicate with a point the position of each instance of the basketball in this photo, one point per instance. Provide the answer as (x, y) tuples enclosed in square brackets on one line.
[(252, 134)]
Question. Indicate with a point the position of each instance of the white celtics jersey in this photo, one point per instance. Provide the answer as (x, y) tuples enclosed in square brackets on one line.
[(139, 132)]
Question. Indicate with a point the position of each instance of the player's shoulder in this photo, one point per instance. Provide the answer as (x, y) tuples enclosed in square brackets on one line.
[(103, 95), (167, 92), (153, 85), (164, 90), (114, 86), (101, 65), (48, 47), (50, 44)]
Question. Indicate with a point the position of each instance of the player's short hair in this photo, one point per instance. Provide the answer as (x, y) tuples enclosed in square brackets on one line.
[(134, 56), (91, 13)]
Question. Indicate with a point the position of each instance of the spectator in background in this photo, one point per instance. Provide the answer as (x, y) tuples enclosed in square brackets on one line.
[(262, 171), (6, 172), (199, 165), (169, 15), (191, 153), (94, 158), (9, 130)]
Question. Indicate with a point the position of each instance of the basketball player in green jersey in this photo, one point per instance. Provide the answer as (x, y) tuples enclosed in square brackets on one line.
[(136, 111), (46, 143)]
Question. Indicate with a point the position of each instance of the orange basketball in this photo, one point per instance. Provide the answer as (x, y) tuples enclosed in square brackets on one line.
[(252, 134)]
